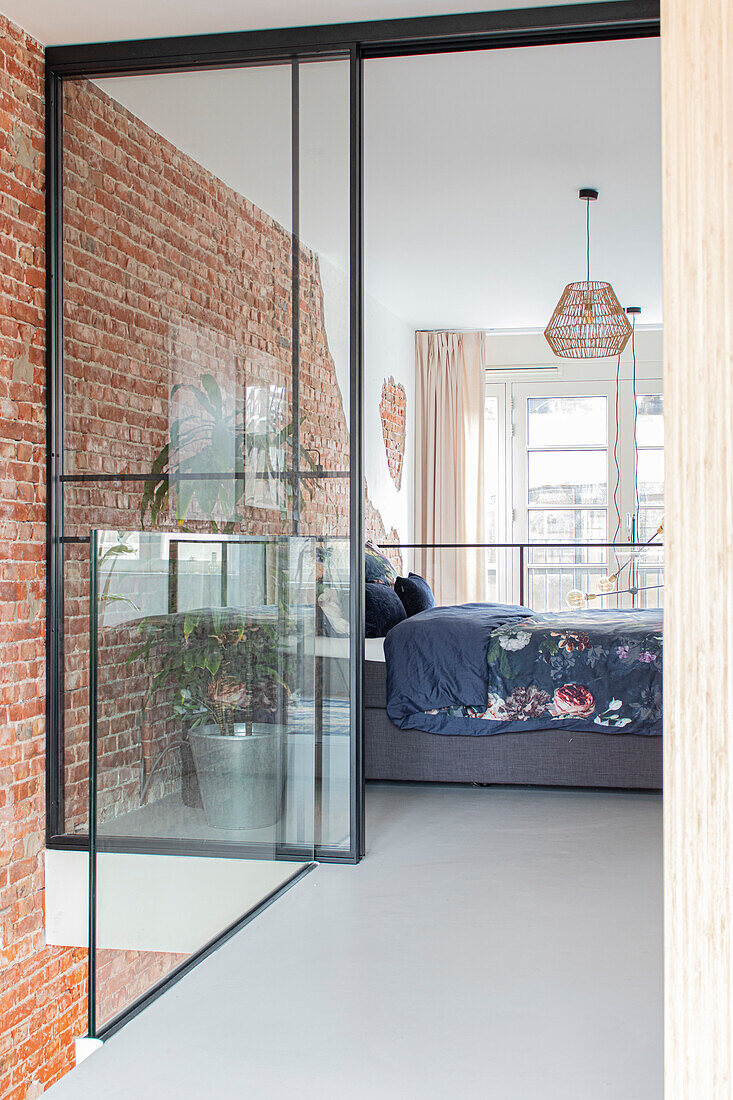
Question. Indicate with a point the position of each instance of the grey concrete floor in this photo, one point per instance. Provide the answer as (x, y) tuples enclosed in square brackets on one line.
[(495, 943)]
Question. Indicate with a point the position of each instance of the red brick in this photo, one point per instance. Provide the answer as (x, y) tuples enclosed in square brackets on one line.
[(30, 971)]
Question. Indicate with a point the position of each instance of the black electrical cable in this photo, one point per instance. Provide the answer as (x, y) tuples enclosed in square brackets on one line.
[(636, 418), (617, 486)]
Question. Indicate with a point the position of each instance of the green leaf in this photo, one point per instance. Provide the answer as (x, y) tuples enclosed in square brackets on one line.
[(207, 494), (120, 548), (227, 496), (211, 388), (222, 453), (204, 402), (147, 497), (184, 496), (189, 622), (212, 661), (159, 500), (161, 460)]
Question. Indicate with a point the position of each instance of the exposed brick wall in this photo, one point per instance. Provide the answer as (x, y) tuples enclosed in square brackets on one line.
[(393, 412), (42, 990)]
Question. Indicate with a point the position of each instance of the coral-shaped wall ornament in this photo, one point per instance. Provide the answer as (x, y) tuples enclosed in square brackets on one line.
[(393, 412)]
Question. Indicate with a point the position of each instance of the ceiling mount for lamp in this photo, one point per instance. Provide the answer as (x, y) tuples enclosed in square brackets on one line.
[(588, 322)]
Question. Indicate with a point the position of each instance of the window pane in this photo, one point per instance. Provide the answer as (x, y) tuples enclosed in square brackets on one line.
[(650, 421), (566, 421), (491, 430), (549, 588), (651, 478), (578, 525), (560, 478), (650, 520)]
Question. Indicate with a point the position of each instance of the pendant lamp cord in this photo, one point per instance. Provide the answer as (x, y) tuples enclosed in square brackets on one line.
[(587, 240), (617, 486), (636, 418)]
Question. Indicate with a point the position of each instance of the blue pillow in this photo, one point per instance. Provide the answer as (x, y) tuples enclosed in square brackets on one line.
[(383, 609), (377, 568), (415, 593)]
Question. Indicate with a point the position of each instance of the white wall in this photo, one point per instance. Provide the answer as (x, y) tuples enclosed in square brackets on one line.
[(509, 350), (389, 350), (154, 903)]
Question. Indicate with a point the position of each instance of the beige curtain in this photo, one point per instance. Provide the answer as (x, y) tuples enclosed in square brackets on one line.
[(449, 462)]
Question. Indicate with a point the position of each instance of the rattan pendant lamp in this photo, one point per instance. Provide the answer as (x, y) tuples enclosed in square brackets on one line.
[(588, 322)]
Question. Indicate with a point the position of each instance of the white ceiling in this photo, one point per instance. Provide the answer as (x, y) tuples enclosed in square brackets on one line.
[(472, 169), (54, 22), (472, 166)]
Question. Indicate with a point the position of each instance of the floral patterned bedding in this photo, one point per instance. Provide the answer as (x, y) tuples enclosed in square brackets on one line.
[(594, 671)]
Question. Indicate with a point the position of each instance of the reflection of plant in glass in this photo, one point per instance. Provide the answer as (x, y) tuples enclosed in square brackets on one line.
[(219, 444), (219, 664), (264, 411), (106, 563)]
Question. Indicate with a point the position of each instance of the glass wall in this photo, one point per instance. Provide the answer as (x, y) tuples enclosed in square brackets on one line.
[(178, 352), (205, 498), (202, 679)]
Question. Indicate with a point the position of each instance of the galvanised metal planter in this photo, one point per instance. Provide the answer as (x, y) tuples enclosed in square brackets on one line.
[(241, 777)]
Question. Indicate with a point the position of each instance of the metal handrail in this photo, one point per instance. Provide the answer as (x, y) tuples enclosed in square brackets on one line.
[(511, 545), (522, 547)]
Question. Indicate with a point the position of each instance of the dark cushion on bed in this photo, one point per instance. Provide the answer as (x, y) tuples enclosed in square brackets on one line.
[(383, 609), (377, 568), (415, 593)]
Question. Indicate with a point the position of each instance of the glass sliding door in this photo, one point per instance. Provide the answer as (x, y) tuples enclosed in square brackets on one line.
[(206, 500)]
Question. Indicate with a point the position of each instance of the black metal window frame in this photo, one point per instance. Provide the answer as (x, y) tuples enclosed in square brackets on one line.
[(519, 27)]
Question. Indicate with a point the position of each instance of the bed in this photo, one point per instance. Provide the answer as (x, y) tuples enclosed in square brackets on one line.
[(497, 694)]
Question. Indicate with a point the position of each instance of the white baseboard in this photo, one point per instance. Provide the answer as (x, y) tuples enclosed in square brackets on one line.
[(84, 1047)]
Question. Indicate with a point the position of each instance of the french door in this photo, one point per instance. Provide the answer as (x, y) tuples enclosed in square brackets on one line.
[(574, 477)]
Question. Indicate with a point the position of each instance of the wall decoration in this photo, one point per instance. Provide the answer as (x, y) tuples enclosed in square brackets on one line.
[(393, 412)]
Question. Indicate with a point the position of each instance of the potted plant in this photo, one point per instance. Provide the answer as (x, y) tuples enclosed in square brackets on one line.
[(227, 676), (226, 671)]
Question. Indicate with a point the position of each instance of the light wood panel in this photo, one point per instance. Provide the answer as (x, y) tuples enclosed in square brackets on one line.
[(697, 99)]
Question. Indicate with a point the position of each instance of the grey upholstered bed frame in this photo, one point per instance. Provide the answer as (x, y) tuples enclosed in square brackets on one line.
[(550, 757)]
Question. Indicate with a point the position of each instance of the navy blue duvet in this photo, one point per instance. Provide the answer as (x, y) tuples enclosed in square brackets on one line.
[(492, 668)]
